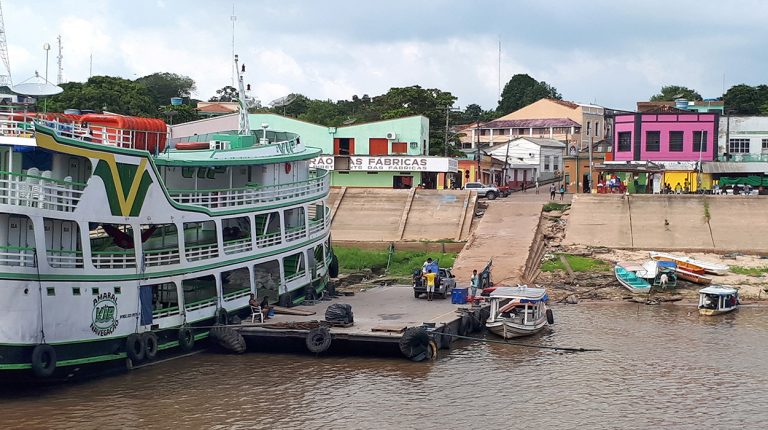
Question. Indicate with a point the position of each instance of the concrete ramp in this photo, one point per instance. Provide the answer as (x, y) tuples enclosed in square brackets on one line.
[(387, 215), (670, 222)]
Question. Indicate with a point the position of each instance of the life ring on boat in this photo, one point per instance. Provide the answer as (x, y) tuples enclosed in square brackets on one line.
[(192, 146), (150, 345), (134, 347), (222, 317), (318, 339), (550, 316), (287, 167), (186, 339), (43, 360)]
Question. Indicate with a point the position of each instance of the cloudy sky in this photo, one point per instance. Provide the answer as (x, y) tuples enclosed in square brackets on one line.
[(609, 52)]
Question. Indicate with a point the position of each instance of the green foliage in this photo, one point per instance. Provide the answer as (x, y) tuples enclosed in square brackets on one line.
[(403, 262), (743, 99), (672, 92), (750, 271), (107, 93), (552, 206), (523, 90), (577, 262), (225, 94), (181, 113), (162, 86)]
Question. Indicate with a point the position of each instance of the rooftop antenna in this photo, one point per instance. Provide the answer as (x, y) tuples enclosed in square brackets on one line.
[(233, 18), (5, 79), (245, 127), (60, 77)]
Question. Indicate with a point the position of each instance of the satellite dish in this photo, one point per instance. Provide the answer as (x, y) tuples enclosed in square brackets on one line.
[(283, 101), (36, 86), (349, 121)]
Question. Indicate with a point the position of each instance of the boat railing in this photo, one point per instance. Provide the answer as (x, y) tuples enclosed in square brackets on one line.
[(267, 240), (319, 225), (13, 127), (40, 191), (294, 276), (65, 258), (161, 257), (235, 246), (21, 256), (202, 252), (166, 312), (237, 294), (226, 198), (295, 233), (200, 304), (106, 135), (113, 259)]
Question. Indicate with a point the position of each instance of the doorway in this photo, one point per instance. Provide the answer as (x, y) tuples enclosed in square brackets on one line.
[(402, 182)]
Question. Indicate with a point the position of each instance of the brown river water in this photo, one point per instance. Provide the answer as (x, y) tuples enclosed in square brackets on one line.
[(660, 367)]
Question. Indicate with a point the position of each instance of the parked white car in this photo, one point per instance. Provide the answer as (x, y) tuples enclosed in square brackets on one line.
[(488, 191)]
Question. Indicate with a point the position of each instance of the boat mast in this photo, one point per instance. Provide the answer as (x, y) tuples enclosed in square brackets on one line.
[(245, 127)]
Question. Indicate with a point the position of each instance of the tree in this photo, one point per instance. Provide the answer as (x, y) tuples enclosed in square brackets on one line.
[(672, 92), (226, 94), (743, 99), (162, 86), (107, 93), (523, 90), (181, 113)]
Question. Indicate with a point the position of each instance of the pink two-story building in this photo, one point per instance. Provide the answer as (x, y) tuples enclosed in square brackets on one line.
[(674, 136)]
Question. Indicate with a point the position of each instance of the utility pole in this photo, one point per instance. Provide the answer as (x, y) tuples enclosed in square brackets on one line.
[(60, 77), (233, 18), (591, 144), (477, 147), (4, 79)]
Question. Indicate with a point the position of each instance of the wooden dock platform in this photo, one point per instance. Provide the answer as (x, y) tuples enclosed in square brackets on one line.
[(388, 317)]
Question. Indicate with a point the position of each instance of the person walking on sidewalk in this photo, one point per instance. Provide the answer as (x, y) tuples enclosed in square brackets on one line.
[(537, 186), (562, 192), (552, 192)]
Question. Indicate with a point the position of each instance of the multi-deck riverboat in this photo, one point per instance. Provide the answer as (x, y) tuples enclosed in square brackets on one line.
[(118, 242)]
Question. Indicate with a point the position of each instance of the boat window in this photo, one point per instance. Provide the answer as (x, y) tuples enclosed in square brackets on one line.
[(62, 243), (199, 292), (235, 283), (112, 246), (267, 229), (294, 266), (160, 244), (18, 249), (266, 279), (295, 223), (165, 299), (236, 228)]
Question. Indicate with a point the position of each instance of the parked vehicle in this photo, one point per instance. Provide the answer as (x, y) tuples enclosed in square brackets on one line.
[(444, 283), (504, 190), (488, 191)]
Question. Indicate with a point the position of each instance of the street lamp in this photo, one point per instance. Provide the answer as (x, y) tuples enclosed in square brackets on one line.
[(47, 48)]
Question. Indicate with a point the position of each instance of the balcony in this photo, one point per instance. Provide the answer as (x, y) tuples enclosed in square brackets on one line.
[(744, 158), (224, 199)]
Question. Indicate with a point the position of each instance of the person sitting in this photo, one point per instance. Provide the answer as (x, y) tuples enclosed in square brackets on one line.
[(263, 306)]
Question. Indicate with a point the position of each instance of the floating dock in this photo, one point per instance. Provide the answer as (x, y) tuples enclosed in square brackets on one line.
[(385, 318)]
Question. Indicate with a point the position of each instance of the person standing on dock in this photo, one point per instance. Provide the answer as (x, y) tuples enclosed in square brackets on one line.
[(430, 277), (474, 281)]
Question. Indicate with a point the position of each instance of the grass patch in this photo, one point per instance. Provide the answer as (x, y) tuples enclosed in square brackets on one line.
[(403, 262), (750, 271), (552, 206), (578, 264)]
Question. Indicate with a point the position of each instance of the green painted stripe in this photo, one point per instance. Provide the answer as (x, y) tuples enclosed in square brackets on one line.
[(139, 276)]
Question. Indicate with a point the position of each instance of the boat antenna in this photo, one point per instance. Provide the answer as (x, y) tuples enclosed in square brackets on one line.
[(60, 57), (4, 79), (233, 18), (245, 127)]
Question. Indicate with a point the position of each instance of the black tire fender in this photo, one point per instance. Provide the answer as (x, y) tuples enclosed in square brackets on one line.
[(318, 339), (464, 325), (151, 345), (186, 339), (550, 316), (414, 344), (43, 360), (135, 347), (222, 316)]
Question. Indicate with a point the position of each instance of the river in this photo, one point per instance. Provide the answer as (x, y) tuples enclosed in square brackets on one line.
[(660, 367)]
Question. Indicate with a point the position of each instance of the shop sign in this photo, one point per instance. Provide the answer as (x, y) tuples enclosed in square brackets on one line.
[(104, 314), (403, 164), (322, 162)]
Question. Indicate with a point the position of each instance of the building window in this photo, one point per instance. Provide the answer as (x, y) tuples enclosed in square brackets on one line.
[(597, 129), (625, 141), (738, 146), (118, 290), (555, 163), (653, 141), (75, 291), (501, 131), (483, 132), (95, 291), (401, 147), (700, 141), (589, 127), (765, 144), (546, 163), (675, 141), (51, 291)]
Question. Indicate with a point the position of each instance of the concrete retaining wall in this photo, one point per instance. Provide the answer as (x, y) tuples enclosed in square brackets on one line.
[(670, 222)]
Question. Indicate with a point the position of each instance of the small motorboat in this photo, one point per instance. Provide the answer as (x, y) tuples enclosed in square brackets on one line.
[(639, 279), (716, 300), (518, 311), (690, 264)]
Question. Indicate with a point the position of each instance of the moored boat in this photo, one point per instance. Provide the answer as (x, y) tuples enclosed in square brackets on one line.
[(716, 300), (692, 277), (518, 311), (630, 280), (691, 264)]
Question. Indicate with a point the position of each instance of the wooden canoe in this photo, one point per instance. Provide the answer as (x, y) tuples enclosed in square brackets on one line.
[(692, 277)]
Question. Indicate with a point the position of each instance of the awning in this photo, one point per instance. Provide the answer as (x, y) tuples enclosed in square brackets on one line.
[(732, 167)]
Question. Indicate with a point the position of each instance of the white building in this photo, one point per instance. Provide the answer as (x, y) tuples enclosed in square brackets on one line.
[(744, 138), (528, 159)]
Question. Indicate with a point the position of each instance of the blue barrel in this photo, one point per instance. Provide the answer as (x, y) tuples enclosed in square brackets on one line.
[(459, 296), (176, 101)]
